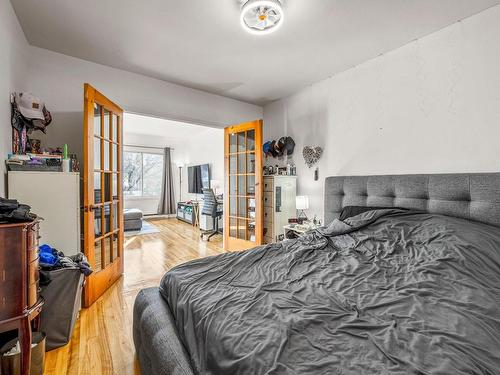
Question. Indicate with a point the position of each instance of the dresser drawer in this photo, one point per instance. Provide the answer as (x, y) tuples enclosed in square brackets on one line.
[(32, 242), (10, 291), (268, 214), (19, 273), (268, 184), (32, 254), (268, 239), (268, 199), (33, 272), (267, 229), (33, 293), (32, 235)]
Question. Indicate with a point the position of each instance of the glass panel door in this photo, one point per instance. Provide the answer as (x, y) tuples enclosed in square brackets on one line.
[(242, 210), (103, 218)]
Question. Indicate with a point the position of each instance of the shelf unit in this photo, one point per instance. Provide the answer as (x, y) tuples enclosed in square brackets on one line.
[(188, 212), (279, 205)]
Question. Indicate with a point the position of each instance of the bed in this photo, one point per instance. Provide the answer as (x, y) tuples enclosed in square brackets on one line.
[(412, 287)]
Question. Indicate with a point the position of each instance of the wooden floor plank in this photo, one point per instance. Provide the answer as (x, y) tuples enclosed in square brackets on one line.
[(102, 339)]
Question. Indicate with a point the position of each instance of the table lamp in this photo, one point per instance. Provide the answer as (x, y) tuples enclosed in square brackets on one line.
[(302, 203), (215, 184), (180, 165)]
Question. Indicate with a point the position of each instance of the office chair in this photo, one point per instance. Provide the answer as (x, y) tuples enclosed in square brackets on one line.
[(210, 208)]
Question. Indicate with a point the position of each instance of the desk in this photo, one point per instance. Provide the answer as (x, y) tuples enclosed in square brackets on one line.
[(206, 220), (190, 212)]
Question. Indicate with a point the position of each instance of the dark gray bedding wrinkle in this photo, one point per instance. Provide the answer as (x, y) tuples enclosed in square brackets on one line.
[(384, 292)]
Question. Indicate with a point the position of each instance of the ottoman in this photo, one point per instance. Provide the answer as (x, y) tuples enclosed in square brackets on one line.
[(132, 219)]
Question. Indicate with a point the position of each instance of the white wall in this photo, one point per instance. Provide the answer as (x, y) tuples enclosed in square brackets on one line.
[(13, 67), (59, 80), (205, 146), (428, 107)]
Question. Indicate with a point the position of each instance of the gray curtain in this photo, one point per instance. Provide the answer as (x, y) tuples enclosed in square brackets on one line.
[(166, 205)]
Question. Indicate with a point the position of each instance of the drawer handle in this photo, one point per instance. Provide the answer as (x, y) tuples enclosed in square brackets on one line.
[(38, 237)]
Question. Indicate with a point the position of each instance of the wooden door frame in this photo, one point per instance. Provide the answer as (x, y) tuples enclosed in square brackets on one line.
[(235, 243), (98, 282)]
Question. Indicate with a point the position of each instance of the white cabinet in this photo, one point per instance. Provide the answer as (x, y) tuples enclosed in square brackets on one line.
[(279, 205), (206, 221), (55, 196)]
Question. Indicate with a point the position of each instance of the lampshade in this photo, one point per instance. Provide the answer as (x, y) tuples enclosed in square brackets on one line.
[(302, 202), (215, 184)]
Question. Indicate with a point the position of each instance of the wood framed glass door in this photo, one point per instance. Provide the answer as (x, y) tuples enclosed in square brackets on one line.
[(102, 192), (243, 186)]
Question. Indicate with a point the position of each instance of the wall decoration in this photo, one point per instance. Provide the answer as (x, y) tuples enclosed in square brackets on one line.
[(312, 155)]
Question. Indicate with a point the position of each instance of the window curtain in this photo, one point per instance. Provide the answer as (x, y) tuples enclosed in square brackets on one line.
[(166, 205)]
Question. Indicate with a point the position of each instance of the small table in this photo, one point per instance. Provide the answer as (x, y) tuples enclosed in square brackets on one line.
[(299, 229)]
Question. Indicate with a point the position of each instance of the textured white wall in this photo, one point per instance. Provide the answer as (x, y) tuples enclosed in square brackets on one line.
[(13, 67), (59, 80), (428, 107)]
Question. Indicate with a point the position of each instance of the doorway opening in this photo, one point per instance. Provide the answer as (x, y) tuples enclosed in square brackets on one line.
[(166, 165)]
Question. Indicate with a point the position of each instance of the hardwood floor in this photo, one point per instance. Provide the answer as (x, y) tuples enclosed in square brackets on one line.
[(102, 340)]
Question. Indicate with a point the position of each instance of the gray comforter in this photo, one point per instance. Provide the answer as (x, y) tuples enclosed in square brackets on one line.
[(384, 292)]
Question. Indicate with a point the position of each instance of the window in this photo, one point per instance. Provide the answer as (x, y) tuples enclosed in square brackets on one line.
[(142, 174)]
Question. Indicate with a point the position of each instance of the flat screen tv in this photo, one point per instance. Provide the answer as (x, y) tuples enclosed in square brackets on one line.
[(198, 178)]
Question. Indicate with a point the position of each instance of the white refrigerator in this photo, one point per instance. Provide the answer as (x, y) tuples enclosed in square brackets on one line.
[(55, 196)]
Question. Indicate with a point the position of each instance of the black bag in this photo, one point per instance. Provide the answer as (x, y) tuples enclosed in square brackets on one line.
[(63, 297)]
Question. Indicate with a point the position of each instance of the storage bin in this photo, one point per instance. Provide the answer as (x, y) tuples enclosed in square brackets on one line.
[(63, 298), (11, 364)]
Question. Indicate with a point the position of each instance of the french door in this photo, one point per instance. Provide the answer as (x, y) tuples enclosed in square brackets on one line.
[(243, 186), (102, 192)]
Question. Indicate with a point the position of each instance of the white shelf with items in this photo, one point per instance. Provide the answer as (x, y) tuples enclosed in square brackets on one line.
[(279, 204)]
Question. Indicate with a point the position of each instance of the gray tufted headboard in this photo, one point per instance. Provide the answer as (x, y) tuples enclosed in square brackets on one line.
[(474, 196)]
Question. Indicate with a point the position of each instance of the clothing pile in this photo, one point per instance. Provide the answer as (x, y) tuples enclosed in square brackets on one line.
[(12, 211), (28, 114), (50, 259)]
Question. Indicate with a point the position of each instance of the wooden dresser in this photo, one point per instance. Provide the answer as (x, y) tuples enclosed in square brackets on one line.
[(19, 277)]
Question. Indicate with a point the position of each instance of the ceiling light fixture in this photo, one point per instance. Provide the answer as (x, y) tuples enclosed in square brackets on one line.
[(261, 17)]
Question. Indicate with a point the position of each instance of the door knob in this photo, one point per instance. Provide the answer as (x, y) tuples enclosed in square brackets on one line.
[(91, 207)]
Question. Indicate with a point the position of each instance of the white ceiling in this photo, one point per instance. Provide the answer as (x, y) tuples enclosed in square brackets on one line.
[(200, 43), (175, 132)]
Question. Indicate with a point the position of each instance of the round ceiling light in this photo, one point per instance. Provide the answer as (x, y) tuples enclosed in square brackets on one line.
[(261, 16)]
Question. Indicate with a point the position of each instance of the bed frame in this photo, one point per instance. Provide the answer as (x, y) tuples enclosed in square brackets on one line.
[(471, 196)]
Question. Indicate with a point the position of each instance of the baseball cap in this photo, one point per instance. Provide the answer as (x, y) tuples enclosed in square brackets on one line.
[(289, 145), (272, 149), (30, 106), (279, 146), (266, 148)]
